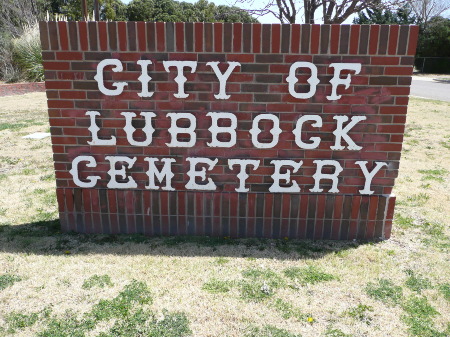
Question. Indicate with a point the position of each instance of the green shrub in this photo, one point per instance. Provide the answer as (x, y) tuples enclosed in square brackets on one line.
[(9, 72), (27, 54)]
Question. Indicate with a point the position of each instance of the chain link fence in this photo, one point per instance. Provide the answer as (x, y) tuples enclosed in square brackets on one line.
[(433, 65)]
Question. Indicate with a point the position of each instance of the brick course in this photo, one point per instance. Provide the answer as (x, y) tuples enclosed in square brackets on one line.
[(72, 50)]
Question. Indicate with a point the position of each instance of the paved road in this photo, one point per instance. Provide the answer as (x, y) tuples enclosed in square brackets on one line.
[(429, 88)]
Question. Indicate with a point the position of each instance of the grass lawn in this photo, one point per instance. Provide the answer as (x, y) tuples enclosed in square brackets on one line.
[(56, 285)]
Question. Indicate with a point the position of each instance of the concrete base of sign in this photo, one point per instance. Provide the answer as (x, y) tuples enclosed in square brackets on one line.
[(154, 213)]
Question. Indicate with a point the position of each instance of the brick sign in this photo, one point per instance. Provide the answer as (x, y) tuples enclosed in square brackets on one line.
[(241, 130)]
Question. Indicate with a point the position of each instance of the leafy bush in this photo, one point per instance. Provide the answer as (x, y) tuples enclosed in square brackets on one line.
[(9, 72), (27, 53)]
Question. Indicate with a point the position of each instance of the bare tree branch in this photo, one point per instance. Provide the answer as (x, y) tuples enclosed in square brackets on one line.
[(426, 9), (332, 11)]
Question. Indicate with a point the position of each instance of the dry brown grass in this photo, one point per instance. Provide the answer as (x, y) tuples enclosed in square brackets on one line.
[(53, 266)]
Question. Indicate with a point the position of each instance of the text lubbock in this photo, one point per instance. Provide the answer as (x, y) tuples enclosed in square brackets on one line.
[(198, 166)]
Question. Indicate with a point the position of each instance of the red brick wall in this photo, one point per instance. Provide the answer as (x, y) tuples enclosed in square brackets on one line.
[(72, 51), (20, 88)]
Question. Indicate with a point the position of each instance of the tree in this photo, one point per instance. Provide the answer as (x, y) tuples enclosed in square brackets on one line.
[(114, 10), (427, 9), (401, 16), (109, 9), (153, 10), (434, 39), (329, 11), (17, 14), (171, 11), (233, 14)]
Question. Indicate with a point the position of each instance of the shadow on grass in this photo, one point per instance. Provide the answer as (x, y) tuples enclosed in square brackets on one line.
[(46, 238)]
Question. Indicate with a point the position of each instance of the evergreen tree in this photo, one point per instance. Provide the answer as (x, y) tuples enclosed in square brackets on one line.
[(403, 16)]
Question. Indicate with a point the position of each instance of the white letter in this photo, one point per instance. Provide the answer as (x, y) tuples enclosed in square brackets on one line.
[(93, 128), (215, 129), (180, 79), (242, 175), (275, 131), (369, 175), (166, 172), (223, 77), (342, 133), (333, 176), (148, 129), (298, 131), (192, 173), (99, 77), (277, 176), (113, 172), (292, 79), (74, 171), (175, 130), (337, 80), (144, 78)]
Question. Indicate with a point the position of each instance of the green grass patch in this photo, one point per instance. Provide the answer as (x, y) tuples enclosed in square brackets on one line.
[(333, 332), (255, 291), (47, 177), (69, 325), (445, 143), (287, 310), (222, 260), (260, 284), (385, 291), (99, 281), (7, 280), (404, 222), (436, 235), (269, 331), (416, 200), (419, 318), (308, 275), (29, 171), (361, 313), (18, 321), (264, 274), (142, 323), (126, 309), (445, 290), (216, 286), (434, 174), (120, 306), (416, 282), (412, 127), (9, 160), (14, 126)]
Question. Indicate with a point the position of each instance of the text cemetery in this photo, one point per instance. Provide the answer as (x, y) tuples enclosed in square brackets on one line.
[(159, 170)]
